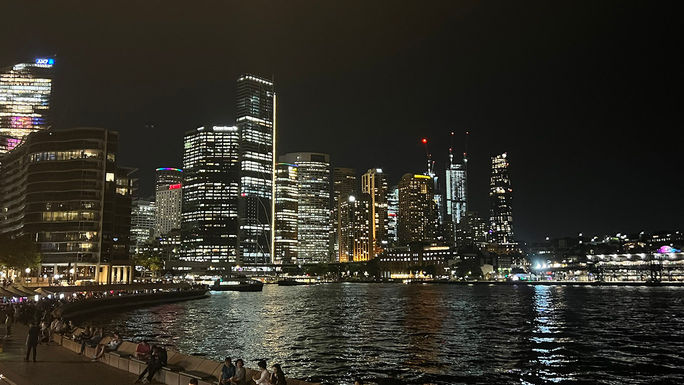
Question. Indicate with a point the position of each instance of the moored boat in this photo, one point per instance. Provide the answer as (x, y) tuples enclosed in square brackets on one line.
[(236, 284)]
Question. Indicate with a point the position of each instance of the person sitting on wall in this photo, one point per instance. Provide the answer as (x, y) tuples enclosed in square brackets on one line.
[(264, 375), (227, 372), (109, 347), (240, 377), (92, 341), (143, 351)]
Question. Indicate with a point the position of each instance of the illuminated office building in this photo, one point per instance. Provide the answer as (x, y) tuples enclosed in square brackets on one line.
[(64, 189), (168, 199), (500, 203), (25, 90), (313, 184), (209, 220), (472, 230), (255, 119), (456, 193), (374, 183), (143, 224), (344, 186), (417, 209), (356, 242), (286, 204), (393, 215)]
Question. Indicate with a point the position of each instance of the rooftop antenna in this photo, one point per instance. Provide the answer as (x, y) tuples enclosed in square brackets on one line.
[(465, 150), (430, 163)]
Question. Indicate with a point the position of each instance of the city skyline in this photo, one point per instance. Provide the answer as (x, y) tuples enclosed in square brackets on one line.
[(562, 120)]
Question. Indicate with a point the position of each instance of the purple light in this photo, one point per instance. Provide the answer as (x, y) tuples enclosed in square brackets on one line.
[(667, 250)]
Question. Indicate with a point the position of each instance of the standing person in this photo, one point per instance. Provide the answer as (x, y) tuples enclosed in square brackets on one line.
[(240, 377), (32, 341), (264, 376), (278, 377), (9, 320), (227, 372)]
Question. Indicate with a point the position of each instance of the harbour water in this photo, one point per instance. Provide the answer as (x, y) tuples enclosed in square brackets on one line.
[(438, 334)]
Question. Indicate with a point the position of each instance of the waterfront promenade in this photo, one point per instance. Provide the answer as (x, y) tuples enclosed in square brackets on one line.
[(55, 365)]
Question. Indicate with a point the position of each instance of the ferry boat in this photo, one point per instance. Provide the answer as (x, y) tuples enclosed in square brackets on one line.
[(294, 282), (236, 284)]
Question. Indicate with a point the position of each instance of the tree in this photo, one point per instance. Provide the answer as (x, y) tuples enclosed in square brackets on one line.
[(19, 253), (150, 260)]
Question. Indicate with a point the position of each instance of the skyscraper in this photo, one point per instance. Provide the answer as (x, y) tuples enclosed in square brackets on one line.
[(143, 223), (393, 215), (255, 120), (66, 191), (168, 199), (344, 186), (500, 200), (313, 184), (417, 211), (356, 242), (456, 193), (25, 90), (209, 223), (374, 183), (286, 210)]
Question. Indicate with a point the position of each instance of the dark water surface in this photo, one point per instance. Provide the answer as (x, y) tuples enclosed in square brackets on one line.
[(439, 334)]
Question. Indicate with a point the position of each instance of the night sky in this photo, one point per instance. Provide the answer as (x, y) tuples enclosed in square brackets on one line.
[(584, 96)]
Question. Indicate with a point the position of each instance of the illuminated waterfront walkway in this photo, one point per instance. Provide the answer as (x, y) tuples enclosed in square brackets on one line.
[(56, 365)]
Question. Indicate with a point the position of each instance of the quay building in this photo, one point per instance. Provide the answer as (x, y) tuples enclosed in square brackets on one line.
[(65, 189)]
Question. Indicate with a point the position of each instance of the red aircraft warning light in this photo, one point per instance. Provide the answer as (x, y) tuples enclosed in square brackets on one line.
[(424, 140)]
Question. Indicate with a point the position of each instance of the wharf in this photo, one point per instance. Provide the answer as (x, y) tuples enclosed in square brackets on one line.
[(55, 365)]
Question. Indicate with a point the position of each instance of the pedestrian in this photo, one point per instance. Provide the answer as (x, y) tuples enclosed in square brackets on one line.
[(32, 341), (9, 320), (227, 372), (264, 375), (278, 377)]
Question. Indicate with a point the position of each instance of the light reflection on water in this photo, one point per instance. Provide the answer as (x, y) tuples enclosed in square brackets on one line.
[(432, 333)]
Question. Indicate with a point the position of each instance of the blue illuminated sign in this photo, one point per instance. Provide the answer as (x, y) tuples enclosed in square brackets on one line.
[(45, 61)]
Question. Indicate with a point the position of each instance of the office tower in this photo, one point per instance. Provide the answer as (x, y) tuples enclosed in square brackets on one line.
[(344, 186), (313, 224), (286, 211), (500, 200), (24, 101), (456, 193), (65, 190), (374, 183), (393, 215), (471, 231), (168, 199), (143, 224), (417, 211), (356, 242), (209, 221), (255, 119)]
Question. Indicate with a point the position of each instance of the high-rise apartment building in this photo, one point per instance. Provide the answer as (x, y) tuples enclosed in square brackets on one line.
[(286, 211), (456, 193), (356, 243), (313, 184), (344, 186), (374, 183), (500, 203), (417, 209), (393, 215), (143, 224), (168, 199), (66, 191), (209, 223), (25, 90), (256, 122)]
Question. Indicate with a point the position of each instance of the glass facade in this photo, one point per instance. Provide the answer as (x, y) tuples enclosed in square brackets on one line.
[(209, 220), (168, 198), (313, 214), (286, 209), (255, 120), (500, 203), (356, 242), (456, 193), (143, 223), (393, 215), (25, 90)]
